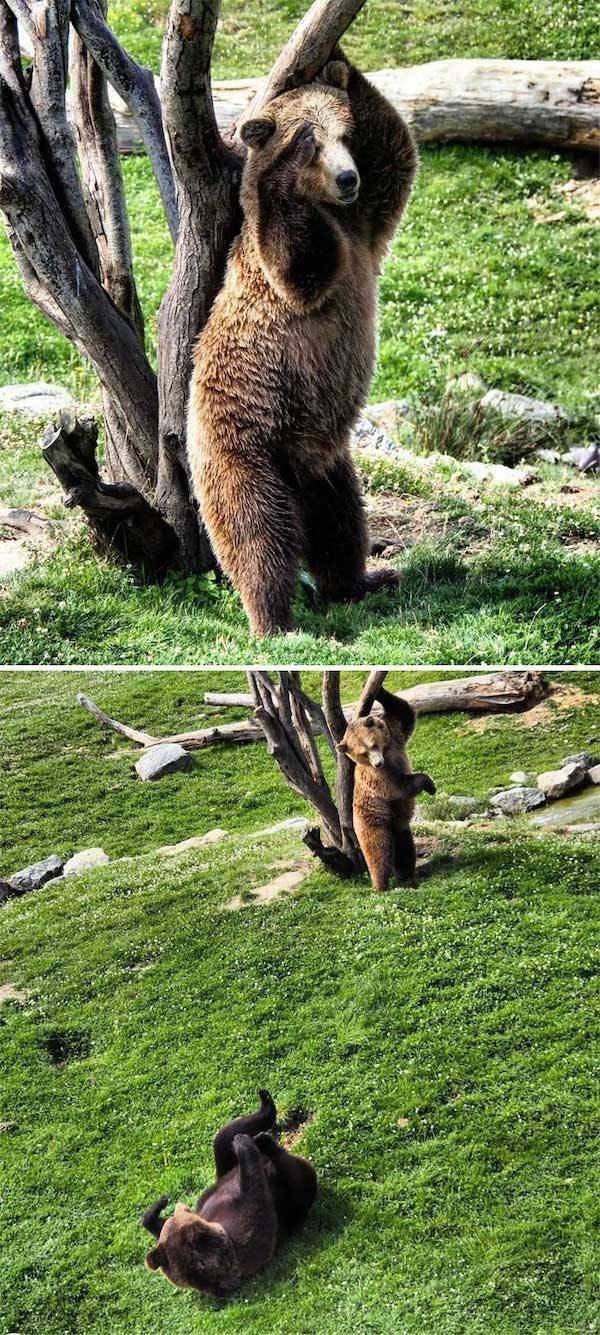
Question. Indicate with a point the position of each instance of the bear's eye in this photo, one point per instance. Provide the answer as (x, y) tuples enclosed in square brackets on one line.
[(346, 140)]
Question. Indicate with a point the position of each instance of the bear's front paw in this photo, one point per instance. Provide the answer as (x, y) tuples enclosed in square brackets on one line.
[(382, 578), (427, 785)]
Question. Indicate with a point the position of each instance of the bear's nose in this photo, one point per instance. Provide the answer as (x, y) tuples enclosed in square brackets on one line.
[(346, 182)]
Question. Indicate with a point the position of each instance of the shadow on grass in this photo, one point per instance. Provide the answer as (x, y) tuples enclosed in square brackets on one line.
[(328, 1218)]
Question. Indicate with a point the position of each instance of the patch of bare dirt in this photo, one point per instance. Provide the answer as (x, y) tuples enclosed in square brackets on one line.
[(284, 884), (292, 1128), (581, 195), (560, 698), (10, 993), (14, 555)]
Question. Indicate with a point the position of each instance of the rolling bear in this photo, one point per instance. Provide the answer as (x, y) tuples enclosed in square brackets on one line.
[(283, 365), (385, 788), (262, 1192)]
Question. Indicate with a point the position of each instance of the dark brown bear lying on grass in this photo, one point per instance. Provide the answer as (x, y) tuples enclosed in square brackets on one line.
[(283, 366), (385, 788), (262, 1192)]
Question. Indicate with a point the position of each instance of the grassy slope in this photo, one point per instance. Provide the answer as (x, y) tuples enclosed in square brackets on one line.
[(50, 747), (441, 1038), (498, 579)]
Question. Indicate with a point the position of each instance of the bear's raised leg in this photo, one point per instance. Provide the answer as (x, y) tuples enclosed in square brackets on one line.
[(377, 846), (405, 857), (336, 536), (250, 1125), (254, 525), (295, 1183)]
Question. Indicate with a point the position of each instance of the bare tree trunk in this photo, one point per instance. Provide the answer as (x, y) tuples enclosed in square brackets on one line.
[(63, 201)]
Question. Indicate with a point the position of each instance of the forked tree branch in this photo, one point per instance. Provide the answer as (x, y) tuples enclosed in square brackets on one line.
[(136, 86), (308, 49), (207, 181), (48, 30)]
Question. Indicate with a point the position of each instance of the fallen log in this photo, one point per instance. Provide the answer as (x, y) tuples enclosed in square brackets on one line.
[(526, 103), (491, 693), (550, 103)]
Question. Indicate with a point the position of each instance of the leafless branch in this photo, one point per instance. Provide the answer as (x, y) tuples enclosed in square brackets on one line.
[(136, 86)]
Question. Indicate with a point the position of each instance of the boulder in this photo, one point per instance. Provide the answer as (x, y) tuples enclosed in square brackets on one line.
[(388, 416), (196, 841), (581, 758), (35, 400), (164, 758), (464, 805), (521, 778), (594, 774), (467, 386), (33, 877), (82, 861), (514, 801), (519, 405), (367, 436), (555, 783), (585, 457)]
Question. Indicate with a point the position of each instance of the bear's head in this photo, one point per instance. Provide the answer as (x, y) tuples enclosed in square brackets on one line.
[(301, 142), (194, 1253), (365, 741)]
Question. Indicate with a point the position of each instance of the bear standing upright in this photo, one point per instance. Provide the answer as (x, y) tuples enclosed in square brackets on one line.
[(283, 365), (385, 788)]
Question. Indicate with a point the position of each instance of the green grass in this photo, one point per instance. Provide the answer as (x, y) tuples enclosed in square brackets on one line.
[(472, 282), (386, 33), (52, 748), (492, 577), (441, 1038)]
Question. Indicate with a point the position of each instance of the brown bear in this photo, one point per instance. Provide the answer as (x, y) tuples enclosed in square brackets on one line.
[(385, 788), (283, 365), (262, 1192)]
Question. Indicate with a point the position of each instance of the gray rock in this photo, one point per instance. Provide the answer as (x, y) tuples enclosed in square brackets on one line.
[(519, 405), (165, 758), (31, 878), (196, 841), (466, 805), (581, 758), (549, 456), (82, 861), (367, 436), (555, 783), (35, 400), (513, 801), (467, 386), (388, 416), (498, 474), (594, 774), (521, 778), (585, 457)]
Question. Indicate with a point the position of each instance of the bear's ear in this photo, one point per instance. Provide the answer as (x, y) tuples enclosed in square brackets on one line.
[(256, 133), (336, 74), (156, 1258)]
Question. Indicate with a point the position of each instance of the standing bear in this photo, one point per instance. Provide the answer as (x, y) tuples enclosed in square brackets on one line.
[(282, 367), (385, 788)]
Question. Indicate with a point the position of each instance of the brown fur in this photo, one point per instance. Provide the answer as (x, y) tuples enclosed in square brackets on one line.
[(262, 1191), (283, 365), (384, 789)]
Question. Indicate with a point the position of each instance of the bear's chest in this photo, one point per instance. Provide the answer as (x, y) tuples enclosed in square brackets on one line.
[(330, 354)]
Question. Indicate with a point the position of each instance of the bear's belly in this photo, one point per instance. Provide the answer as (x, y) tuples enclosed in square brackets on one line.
[(330, 354)]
